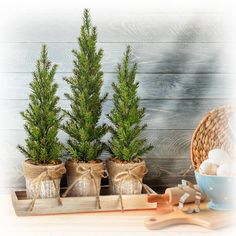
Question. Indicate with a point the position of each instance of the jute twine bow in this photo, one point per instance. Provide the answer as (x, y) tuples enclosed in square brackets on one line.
[(122, 176), (83, 171), (50, 174)]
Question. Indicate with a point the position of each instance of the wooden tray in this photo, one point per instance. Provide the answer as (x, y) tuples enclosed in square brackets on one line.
[(80, 204)]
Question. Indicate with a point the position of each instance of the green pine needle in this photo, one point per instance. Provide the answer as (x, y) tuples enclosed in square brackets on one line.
[(85, 132), (126, 116), (43, 116)]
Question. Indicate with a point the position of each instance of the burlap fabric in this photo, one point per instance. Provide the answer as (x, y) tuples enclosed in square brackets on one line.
[(84, 179), (43, 181), (126, 178)]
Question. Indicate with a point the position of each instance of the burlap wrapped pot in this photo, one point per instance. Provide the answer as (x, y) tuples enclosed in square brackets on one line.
[(84, 179), (42, 181), (126, 178)]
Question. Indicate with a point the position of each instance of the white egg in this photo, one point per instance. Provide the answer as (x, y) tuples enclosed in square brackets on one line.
[(218, 157), (207, 168), (224, 170)]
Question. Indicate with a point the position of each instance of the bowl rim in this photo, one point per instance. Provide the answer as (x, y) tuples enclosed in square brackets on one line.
[(215, 176)]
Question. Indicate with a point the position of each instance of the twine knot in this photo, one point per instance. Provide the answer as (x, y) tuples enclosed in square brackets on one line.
[(51, 174), (131, 172), (137, 172), (93, 173)]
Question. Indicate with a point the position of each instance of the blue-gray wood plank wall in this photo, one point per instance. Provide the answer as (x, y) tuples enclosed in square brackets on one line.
[(181, 70)]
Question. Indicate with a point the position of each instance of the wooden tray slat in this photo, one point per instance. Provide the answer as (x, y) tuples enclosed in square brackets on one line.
[(80, 204)]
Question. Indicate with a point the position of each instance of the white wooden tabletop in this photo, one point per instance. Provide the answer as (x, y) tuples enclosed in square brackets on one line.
[(128, 223)]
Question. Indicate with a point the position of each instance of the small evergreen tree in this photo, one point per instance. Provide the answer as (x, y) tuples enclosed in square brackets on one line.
[(84, 132), (42, 118), (126, 116)]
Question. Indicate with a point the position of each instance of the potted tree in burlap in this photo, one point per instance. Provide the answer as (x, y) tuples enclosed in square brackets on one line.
[(43, 168), (84, 169), (126, 168)]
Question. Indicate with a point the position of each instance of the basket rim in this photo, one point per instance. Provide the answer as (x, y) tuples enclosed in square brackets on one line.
[(199, 125)]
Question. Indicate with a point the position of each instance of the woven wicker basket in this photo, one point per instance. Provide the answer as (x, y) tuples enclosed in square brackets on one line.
[(212, 132)]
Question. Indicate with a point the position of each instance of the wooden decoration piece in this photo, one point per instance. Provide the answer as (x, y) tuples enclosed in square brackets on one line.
[(206, 218), (81, 204), (173, 195)]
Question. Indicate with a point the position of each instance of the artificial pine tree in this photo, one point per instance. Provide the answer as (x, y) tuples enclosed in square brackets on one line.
[(43, 116), (126, 116), (84, 131)]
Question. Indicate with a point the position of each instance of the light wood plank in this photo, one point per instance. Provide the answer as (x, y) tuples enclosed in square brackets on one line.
[(151, 86), (86, 204), (151, 57), (167, 143), (162, 42), (160, 114), (206, 218), (115, 224), (118, 26)]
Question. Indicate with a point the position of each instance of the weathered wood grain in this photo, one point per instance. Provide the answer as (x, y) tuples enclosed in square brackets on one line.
[(160, 114), (151, 86), (183, 73), (167, 143), (119, 26), (168, 172), (151, 57)]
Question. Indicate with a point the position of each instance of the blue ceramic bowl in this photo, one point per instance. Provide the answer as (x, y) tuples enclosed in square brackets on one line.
[(219, 189)]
